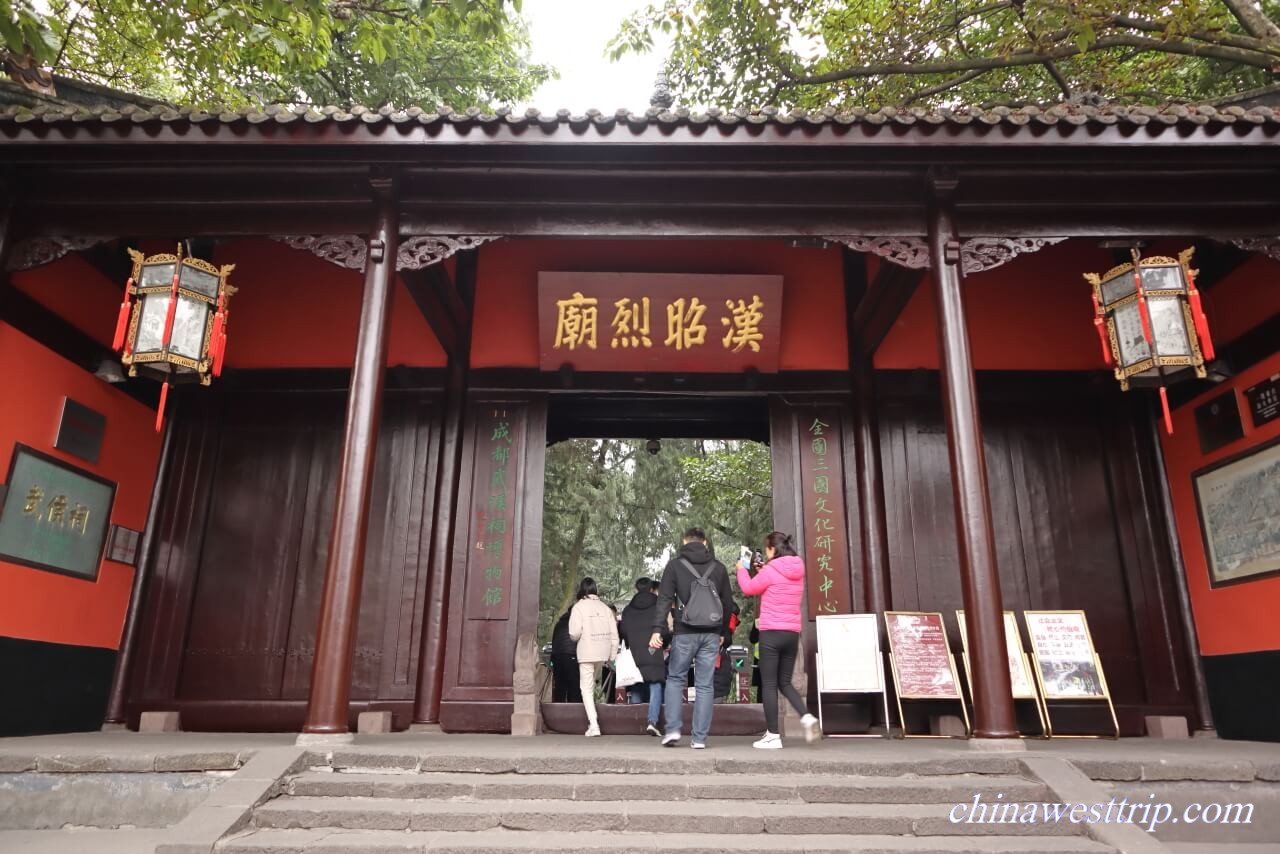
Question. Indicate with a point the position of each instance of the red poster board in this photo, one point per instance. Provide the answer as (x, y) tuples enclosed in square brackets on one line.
[(826, 543), (647, 322), (922, 664)]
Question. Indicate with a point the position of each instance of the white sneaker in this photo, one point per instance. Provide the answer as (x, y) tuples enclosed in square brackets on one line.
[(812, 730), (771, 741), (593, 731), (671, 739), (697, 745)]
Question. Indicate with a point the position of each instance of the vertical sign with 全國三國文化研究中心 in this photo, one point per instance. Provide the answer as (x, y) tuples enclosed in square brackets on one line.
[(824, 536), (493, 500)]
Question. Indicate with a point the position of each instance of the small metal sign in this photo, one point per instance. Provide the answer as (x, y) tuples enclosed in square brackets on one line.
[(80, 430), (1218, 422), (1264, 400)]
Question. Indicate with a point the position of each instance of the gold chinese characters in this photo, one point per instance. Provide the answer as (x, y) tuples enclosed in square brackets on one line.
[(577, 324), (58, 511)]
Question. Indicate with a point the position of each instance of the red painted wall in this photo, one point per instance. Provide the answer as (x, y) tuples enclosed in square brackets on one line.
[(506, 322), (1239, 617), (1032, 314), (43, 606), (292, 309)]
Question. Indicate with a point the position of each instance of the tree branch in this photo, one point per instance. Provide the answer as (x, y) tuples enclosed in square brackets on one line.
[(929, 91), (1236, 56), (1218, 38), (1254, 20)]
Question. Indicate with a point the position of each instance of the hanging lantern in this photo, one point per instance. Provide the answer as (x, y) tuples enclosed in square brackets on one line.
[(172, 324), (1150, 322)]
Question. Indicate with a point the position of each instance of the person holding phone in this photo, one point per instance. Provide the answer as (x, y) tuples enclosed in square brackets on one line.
[(779, 583)]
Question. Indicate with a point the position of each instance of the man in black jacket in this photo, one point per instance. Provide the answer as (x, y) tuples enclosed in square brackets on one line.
[(637, 625), (696, 643)]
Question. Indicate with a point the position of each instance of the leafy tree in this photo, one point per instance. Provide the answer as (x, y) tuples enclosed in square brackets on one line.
[(229, 53), (615, 512), (815, 54)]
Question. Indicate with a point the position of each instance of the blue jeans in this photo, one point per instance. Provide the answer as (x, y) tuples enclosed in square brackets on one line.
[(636, 694), (700, 650)]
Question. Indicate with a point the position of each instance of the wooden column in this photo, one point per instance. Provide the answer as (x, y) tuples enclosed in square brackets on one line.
[(116, 712), (875, 527), (340, 605), (426, 706), (980, 580)]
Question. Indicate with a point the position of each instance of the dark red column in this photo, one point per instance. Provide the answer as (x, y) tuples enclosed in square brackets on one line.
[(875, 529), (426, 705), (993, 715), (146, 559), (340, 605)]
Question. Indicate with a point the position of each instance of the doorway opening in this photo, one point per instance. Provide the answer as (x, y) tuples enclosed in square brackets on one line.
[(624, 478)]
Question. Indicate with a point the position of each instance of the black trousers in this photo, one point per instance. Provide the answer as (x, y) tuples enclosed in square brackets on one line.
[(778, 651)]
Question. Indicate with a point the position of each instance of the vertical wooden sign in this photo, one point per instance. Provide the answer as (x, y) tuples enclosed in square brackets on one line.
[(825, 536), (493, 501)]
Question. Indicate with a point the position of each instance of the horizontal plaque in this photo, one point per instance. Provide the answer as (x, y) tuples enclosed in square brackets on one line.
[(651, 322)]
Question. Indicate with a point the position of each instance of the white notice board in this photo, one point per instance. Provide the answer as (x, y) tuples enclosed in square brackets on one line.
[(849, 654)]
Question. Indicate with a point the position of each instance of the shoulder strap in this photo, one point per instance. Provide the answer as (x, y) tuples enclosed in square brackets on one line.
[(696, 574)]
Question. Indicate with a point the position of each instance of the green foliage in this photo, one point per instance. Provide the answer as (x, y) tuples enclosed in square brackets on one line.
[(816, 54), (230, 53), (615, 512)]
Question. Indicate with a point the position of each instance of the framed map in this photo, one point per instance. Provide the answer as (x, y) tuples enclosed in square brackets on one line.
[(1238, 500)]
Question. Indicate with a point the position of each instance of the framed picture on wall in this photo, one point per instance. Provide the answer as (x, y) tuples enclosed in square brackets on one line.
[(1238, 500), (55, 516)]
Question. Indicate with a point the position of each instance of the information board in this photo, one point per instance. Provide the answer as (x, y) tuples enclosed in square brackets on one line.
[(922, 662), (1063, 650), (849, 654), (1019, 675)]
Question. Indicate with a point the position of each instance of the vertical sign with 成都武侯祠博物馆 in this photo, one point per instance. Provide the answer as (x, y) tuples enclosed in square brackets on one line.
[(659, 322), (493, 490), (824, 540)]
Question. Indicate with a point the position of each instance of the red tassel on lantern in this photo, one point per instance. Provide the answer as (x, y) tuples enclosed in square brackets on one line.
[(1102, 331), (1164, 405), (164, 396), (1142, 312), (122, 320), (173, 308), (1202, 322)]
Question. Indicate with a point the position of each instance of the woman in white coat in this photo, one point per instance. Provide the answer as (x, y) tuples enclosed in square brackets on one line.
[(595, 628)]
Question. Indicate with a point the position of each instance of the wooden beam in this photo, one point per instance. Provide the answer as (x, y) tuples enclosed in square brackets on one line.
[(880, 306), (424, 292)]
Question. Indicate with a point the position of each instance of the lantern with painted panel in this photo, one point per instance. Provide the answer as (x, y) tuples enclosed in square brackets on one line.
[(1150, 322), (172, 324)]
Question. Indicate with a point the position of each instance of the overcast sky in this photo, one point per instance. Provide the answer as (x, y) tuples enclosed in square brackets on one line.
[(570, 35)]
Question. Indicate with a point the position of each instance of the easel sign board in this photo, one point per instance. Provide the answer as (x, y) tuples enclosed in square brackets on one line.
[(1019, 675), (1064, 653), (921, 656), (849, 654)]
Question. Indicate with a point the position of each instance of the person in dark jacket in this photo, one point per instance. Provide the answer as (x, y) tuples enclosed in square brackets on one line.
[(724, 667), (637, 626), (564, 664), (696, 644)]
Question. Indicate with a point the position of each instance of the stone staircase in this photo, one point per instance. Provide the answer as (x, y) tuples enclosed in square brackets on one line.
[(372, 803)]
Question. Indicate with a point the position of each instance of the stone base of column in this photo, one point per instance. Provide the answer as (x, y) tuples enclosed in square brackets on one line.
[(421, 728), (998, 745), (323, 739), (114, 727)]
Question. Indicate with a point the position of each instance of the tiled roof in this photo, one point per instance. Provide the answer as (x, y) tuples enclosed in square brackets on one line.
[(1063, 114)]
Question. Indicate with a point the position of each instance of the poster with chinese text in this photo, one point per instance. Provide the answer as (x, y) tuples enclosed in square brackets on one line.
[(921, 656), (1064, 655)]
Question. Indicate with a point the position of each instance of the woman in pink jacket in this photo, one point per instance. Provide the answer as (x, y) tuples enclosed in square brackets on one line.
[(780, 585)]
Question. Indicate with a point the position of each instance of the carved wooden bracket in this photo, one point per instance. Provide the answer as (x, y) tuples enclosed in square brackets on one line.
[(976, 254), (37, 251), (1269, 246), (352, 250)]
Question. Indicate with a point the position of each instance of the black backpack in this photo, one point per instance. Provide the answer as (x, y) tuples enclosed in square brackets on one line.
[(703, 610)]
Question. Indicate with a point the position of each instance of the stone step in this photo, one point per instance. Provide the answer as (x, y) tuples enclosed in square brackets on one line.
[(707, 816), (804, 760), (330, 841), (655, 787)]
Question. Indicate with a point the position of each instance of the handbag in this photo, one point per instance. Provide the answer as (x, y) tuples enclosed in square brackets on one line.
[(625, 669)]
